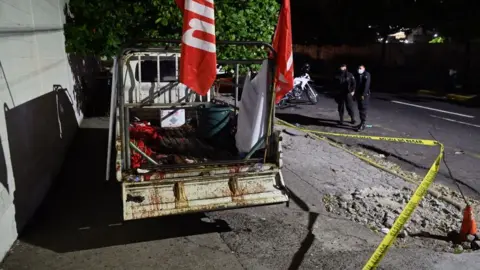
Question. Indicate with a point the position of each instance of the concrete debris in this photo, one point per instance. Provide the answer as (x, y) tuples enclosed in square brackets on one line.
[(388, 222), (385, 230), (471, 238), (378, 207), (472, 242), (403, 234), (424, 223), (475, 245), (466, 245)]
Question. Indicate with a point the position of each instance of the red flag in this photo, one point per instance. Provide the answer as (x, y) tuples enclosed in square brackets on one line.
[(282, 43), (180, 4), (198, 66)]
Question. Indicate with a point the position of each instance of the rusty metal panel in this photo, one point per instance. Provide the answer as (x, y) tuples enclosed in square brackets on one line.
[(200, 170), (200, 194)]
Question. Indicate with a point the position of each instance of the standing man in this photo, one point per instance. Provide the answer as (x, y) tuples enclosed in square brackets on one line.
[(362, 95), (346, 85)]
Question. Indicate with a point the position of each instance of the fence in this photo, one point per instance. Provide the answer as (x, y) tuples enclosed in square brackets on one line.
[(406, 65)]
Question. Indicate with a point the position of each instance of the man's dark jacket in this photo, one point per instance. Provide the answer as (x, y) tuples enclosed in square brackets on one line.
[(363, 84), (346, 82)]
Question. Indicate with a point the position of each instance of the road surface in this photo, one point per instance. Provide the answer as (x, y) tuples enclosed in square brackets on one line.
[(80, 224), (457, 127)]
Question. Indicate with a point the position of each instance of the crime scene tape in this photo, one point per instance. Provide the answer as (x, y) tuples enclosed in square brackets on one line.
[(412, 204)]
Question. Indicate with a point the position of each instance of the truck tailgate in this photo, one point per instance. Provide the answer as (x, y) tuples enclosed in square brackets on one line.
[(201, 194)]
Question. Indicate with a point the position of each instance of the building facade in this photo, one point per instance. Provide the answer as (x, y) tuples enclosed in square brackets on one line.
[(40, 108)]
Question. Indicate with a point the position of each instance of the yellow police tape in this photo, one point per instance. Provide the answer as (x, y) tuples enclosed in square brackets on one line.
[(412, 204)]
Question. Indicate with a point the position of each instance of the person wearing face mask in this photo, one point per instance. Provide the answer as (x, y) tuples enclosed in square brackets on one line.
[(362, 95), (346, 85)]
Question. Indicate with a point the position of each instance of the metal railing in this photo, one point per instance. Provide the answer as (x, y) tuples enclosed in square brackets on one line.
[(144, 47)]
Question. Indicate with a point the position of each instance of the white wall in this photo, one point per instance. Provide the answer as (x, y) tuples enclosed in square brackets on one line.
[(33, 59)]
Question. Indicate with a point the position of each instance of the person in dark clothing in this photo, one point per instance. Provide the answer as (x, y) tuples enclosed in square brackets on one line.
[(305, 68), (362, 95), (451, 83), (346, 89)]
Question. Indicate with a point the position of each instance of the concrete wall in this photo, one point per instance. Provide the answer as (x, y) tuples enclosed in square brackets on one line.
[(32, 61)]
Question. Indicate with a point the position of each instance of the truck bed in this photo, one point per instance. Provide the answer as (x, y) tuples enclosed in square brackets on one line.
[(186, 159), (178, 145), (182, 146), (217, 184)]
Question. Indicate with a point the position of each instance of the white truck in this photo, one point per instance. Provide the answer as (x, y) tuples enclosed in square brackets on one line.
[(174, 151)]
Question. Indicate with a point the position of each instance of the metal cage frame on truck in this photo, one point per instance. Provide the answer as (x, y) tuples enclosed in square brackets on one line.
[(249, 169)]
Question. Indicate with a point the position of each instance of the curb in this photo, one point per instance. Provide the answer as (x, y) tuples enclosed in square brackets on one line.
[(460, 97), (455, 97), (427, 92)]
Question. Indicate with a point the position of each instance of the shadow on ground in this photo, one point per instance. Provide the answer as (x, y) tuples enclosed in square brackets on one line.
[(307, 242), (452, 236), (303, 120), (83, 212)]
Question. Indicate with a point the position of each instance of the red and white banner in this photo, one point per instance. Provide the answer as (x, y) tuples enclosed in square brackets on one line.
[(282, 43), (198, 66)]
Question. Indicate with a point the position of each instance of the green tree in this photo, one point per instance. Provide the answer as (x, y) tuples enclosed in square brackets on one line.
[(102, 27)]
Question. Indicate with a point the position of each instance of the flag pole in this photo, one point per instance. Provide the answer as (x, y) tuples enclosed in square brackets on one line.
[(271, 93)]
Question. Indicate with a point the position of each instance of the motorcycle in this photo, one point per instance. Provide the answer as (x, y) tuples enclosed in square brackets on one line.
[(301, 87)]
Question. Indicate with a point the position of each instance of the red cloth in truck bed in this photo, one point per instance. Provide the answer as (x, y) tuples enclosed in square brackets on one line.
[(172, 145), (139, 134)]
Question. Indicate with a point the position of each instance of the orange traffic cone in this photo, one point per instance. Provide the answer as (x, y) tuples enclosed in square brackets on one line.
[(469, 226)]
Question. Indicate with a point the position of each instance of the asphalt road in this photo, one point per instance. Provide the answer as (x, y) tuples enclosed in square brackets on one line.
[(457, 127)]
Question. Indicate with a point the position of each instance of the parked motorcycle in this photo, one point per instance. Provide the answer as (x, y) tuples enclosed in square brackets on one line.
[(301, 88)]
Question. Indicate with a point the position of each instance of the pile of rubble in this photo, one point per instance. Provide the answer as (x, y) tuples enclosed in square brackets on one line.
[(378, 207), (471, 242)]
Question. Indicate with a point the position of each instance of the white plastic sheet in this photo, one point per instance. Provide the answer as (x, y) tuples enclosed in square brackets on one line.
[(172, 118), (253, 109)]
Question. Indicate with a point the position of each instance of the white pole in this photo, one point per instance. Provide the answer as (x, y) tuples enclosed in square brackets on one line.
[(113, 109)]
